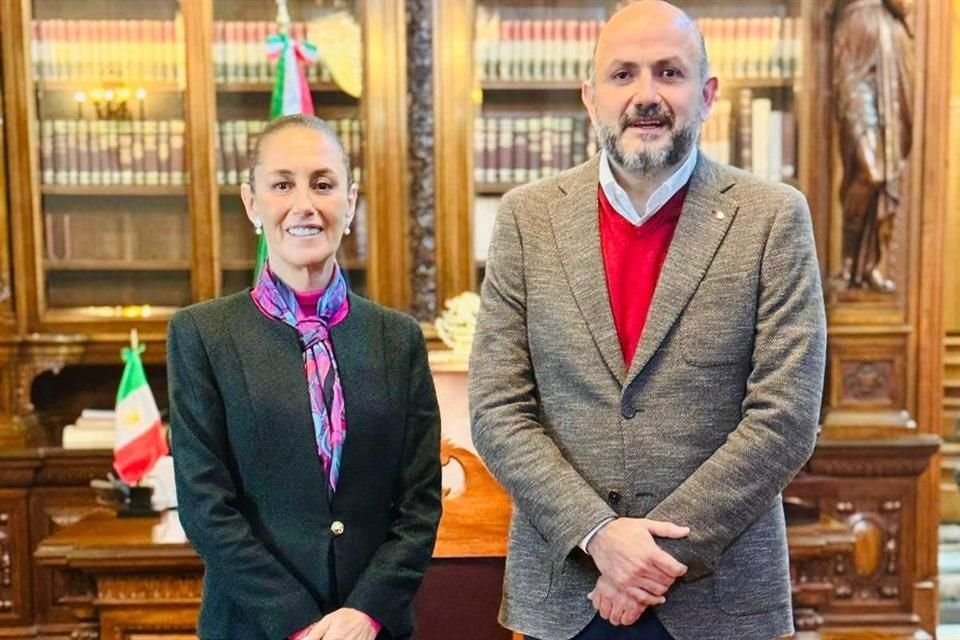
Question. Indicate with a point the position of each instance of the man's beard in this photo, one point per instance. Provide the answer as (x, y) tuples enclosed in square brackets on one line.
[(643, 162)]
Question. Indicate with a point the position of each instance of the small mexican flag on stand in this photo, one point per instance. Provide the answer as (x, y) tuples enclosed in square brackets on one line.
[(139, 439)]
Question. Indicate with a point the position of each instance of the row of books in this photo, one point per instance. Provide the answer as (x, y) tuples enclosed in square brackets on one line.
[(750, 134), (753, 47), (236, 140), (766, 137), (518, 149), (108, 50), (533, 49), (112, 152), (240, 52), (753, 136), (116, 235), (549, 49)]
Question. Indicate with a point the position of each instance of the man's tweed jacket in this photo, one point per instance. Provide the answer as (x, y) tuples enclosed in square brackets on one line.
[(714, 416)]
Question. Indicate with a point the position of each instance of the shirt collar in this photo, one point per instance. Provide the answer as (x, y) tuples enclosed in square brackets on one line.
[(620, 200)]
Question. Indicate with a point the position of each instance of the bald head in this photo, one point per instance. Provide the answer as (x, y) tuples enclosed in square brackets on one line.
[(637, 20)]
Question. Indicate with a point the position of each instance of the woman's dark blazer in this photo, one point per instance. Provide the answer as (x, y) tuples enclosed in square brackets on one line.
[(250, 485)]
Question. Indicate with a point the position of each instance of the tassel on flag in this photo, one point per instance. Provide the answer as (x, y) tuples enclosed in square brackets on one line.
[(291, 93), (139, 440)]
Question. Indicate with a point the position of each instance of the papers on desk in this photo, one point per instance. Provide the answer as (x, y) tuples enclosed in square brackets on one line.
[(94, 429)]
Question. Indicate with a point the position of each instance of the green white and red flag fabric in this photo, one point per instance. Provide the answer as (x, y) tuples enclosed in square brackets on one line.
[(139, 436)]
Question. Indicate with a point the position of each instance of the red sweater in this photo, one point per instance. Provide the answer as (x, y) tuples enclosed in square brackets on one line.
[(632, 259)]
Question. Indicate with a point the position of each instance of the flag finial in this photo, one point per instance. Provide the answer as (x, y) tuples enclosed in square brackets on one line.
[(283, 17), (134, 340)]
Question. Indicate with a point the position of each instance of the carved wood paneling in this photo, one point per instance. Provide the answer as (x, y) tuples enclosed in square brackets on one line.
[(51, 509), (818, 551), (15, 562), (171, 623), (867, 372), (132, 589), (86, 633), (870, 489)]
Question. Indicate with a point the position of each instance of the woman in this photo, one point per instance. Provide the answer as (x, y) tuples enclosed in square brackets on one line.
[(305, 424)]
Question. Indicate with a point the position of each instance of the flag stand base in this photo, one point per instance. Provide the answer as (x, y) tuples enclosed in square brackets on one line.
[(138, 504)]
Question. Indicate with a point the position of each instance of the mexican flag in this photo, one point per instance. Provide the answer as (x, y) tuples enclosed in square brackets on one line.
[(291, 94), (139, 440)]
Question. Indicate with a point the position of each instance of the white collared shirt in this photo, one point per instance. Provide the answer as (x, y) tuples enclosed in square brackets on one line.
[(620, 200)]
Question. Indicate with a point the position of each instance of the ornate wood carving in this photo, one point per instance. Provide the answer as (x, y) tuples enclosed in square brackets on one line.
[(6, 565), (873, 55), (870, 468), (136, 588), (867, 381), (476, 519), (22, 360), (423, 243), (818, 552), (74, 588), (85, 633), (867, 372), (876, 528), (868, 490)]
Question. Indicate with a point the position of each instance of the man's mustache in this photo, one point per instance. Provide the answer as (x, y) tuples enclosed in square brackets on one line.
[(641, 114)]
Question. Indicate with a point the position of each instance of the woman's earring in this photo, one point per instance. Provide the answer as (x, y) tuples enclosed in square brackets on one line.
[(257, 227), (346, 231)]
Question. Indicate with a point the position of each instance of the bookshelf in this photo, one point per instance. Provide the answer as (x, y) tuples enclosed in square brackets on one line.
[(529, 61), (132, 124), (109, 113)]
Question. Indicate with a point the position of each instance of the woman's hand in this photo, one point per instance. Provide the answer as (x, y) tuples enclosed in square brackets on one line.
[(343, 624)]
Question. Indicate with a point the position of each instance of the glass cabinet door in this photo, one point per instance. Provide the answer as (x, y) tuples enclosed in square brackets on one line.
[(244, 79), (756, 51), (530, 60), (109, 80)]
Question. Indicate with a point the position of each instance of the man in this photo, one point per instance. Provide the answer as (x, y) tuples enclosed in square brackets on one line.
[(648, 365)]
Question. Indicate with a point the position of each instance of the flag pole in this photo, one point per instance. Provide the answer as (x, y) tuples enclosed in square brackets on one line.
[(134, 340)]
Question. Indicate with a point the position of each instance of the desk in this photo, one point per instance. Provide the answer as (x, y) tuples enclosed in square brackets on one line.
[(129, 577)]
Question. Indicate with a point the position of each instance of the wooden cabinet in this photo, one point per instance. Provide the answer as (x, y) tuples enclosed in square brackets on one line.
[(41, 492)]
